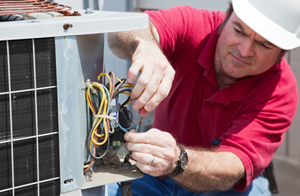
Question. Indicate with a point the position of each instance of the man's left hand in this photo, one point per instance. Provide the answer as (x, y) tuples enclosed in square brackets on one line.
[(155, 151)]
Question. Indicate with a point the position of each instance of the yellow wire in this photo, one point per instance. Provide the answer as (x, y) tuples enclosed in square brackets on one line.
[(106, 136), (109, 80), (104, 98), (95, 84), (103, 104), (105, 130), (88, 98), (118, 79), (124, 93), (128, 101), (89, 103), (131, 85), (125, 87)]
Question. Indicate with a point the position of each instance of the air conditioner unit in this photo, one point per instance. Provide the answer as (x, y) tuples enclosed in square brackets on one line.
[(44, 64)]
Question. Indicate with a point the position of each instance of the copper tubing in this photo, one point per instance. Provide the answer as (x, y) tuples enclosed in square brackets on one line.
[(29, 6)]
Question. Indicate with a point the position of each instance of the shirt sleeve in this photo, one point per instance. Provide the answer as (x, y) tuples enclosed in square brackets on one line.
[(258, 130), (183, 26)]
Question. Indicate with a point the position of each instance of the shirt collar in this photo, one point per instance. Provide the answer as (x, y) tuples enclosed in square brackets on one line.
[(206, 58), (236, 92)]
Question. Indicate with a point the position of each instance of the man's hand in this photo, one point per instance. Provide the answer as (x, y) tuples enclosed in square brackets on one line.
[(207, 170), (143, 48), (153, 144), (156, 77)]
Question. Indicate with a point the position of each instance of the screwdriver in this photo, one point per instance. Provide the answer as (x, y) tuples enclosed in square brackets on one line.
[(138, 127)]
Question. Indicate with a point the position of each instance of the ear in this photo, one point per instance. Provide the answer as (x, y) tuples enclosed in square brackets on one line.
[(283, 53)]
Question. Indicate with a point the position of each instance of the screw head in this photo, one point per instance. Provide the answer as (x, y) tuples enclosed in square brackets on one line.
[(66, 26)]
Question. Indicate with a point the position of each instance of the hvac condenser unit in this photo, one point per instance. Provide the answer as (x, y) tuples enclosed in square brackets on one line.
[(44, 64)]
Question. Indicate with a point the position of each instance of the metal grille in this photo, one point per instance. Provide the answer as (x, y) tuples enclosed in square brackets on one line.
[(29, 144), (8, 7)]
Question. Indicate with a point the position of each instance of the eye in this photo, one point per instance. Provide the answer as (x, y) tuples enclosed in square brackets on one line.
[(264, 46), (237, 30)]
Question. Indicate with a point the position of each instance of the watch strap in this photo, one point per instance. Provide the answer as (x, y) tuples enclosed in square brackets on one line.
[(178, 170)]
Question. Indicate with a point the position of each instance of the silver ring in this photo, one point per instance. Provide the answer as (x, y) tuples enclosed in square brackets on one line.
[(150, 163)]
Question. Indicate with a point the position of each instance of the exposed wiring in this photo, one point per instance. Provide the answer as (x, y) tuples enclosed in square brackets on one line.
[(99, 98)]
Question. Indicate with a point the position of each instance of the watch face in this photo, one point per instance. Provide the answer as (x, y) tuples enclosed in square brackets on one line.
[(184, 162)]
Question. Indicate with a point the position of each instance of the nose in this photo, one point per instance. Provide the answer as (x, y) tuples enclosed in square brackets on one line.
[(246, 48)]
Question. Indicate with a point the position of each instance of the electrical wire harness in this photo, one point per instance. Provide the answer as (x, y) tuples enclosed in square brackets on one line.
[(100, 99)]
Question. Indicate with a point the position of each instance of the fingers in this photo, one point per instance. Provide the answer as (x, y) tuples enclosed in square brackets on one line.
[(146, 86), (152, 87), (133, 71), (143, 81), (153, 143), (161, 93), (154, 83), (153, 137), (148, 149), (151, 164), (143, 158)]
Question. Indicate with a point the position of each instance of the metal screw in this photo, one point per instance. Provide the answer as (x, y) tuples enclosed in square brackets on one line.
[(76, 13), (67, 26)]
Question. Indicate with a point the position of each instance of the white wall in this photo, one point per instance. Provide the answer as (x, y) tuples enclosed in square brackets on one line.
[(162, 4)]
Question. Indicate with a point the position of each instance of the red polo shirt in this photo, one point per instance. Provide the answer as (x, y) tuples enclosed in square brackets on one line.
[(249, 117)]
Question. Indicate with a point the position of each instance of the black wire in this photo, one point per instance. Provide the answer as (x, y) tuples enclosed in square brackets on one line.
[(116, 94), (96, 100), (89, 139), (123, 104), (87, 162), (123, 80), (121, 91), (119, 84), (119, 185)]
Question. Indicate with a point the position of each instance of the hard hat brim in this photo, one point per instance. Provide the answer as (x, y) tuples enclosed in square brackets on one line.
[(264, 26)]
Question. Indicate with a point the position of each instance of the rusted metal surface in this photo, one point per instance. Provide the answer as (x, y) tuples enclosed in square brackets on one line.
[(29, 6)]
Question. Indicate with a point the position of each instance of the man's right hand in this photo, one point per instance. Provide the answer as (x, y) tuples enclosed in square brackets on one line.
[(155, 81), (142, 47)]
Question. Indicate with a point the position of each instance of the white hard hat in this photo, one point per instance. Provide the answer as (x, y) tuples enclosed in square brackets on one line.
[(278, 21)]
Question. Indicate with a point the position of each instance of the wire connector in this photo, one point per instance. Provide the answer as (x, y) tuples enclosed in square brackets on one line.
[(88, 83), (105, 116)]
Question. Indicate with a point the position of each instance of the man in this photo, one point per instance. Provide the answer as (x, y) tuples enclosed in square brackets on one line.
[(232, 98)]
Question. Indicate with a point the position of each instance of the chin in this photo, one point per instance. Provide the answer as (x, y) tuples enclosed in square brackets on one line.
[(234, 74)]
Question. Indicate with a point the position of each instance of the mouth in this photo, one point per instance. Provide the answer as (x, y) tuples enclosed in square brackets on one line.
[(240, 60)]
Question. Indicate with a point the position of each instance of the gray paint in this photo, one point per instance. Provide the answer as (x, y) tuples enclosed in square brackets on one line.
[(71, 112)]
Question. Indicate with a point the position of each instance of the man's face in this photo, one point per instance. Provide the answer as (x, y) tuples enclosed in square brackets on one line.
[(241, 52)]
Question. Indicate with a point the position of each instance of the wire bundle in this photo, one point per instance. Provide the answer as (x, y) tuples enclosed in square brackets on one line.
[(101, 108)]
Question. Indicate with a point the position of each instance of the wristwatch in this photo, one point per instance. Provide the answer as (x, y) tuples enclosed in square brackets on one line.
[(181, 163)]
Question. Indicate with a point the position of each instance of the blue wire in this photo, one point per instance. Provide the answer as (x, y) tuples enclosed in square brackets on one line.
[(108, 106), (122, 128)]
